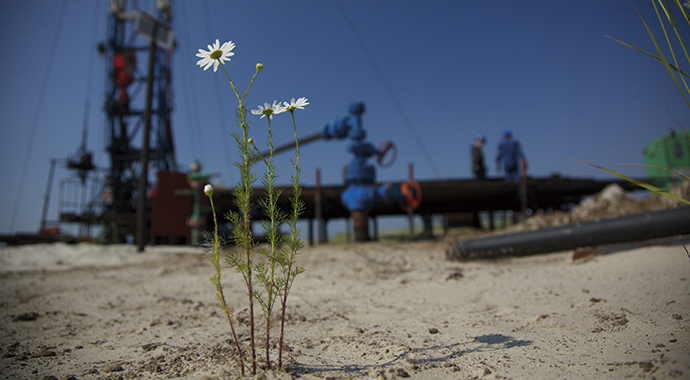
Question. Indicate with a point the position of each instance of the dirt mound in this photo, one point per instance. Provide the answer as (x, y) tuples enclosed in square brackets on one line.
[(611, 202)]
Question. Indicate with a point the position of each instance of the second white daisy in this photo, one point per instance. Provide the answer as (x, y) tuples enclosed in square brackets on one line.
[(269, 110)]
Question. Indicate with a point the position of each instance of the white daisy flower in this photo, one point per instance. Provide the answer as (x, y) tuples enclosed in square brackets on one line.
[(293, 105), (269, 109), (215, 55)]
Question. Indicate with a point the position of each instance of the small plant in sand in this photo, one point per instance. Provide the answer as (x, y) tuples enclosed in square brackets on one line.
[(674, 70), (269, 281)]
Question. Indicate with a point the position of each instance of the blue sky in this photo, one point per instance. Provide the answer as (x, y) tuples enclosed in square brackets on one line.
[(433, 74)]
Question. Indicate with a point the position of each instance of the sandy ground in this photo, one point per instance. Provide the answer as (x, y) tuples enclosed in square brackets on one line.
[(377, 310)]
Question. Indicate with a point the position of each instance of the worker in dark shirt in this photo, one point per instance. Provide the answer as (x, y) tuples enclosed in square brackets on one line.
[(478, 167)]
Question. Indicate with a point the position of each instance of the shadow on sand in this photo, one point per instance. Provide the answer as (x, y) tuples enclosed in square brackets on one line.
[(424, 355)]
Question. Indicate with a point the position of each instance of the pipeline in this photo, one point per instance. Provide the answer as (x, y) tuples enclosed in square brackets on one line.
[(291, 145), (644, 226)]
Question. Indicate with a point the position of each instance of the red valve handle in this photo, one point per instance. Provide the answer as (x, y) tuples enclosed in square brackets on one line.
[(384, 147), (412, 195)]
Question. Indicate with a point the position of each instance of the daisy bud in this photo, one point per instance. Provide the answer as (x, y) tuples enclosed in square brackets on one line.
[(250, 141), (259, 67), (208, 190)]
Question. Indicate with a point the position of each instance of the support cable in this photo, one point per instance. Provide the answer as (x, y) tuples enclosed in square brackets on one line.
[(39, 106), (387, 86)]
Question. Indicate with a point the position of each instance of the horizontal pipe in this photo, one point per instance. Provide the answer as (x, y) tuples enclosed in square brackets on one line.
[(644, 226), (448, 196), (291, 145)]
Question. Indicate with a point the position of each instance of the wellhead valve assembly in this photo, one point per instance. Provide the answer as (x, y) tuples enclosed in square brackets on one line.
[(362, 192)]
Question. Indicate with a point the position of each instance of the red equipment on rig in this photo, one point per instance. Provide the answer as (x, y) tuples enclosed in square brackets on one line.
[(124, 65)]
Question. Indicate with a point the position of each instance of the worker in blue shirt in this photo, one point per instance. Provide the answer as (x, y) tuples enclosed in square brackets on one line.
[(510, 154)]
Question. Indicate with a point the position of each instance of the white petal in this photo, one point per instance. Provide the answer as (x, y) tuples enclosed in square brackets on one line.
[(227, 46)]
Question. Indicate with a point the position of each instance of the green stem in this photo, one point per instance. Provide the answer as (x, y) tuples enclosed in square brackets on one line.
[(246, 227), (272, 204), (250, 85), (294, 129), (248, 249), (227, 310), (232, 84), (293, 243)]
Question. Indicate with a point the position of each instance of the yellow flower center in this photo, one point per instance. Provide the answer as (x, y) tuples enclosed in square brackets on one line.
[(216, 54)]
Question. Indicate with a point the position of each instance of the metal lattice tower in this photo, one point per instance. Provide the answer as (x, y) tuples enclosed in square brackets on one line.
[(129, 84)]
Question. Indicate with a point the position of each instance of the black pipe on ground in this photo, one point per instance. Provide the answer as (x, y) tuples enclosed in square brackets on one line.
[(650, 225)]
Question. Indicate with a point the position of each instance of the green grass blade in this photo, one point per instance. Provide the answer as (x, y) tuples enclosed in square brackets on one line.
[(660, 52), (680, 39), (649, 54), (672, 21), (660, 168), (685, 14), (647, 186), (662, 57), (667, 11)]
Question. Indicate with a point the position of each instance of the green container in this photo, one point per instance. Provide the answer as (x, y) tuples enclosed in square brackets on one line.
[(671, 152)]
